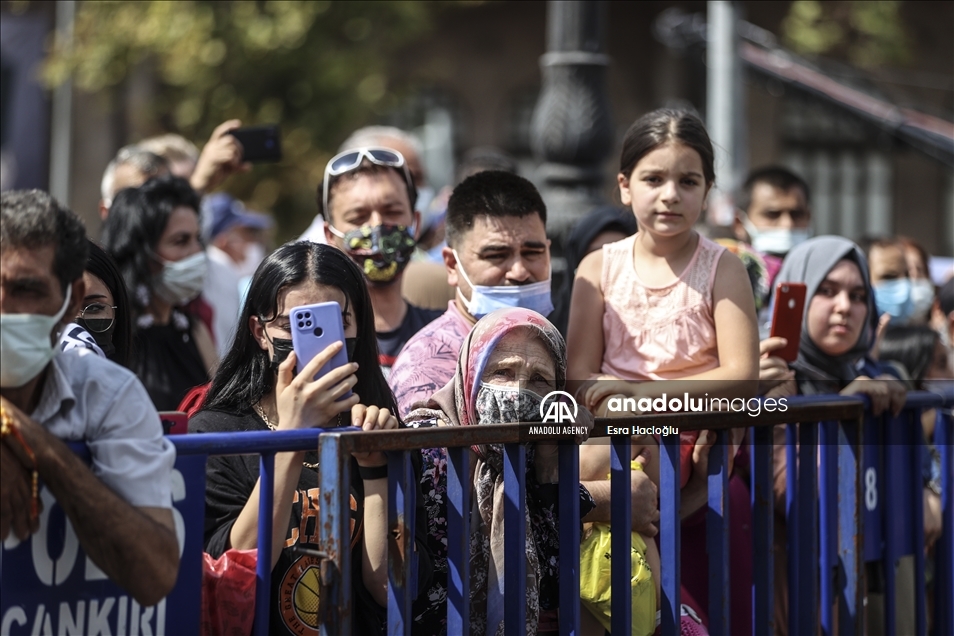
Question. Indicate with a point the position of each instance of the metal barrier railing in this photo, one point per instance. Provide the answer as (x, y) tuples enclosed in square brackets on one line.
[(843, 451), (830, 492)]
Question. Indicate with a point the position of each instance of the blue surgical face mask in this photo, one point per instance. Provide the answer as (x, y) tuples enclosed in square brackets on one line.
[(894, 297), (487, 298)]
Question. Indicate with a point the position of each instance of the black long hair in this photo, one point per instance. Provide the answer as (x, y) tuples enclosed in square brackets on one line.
[(605, 218), (912, 346), (245, 374), (101, 265), (137, 218)]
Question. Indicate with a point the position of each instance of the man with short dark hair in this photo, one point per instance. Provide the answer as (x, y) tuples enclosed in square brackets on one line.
[(367, 199), (497, 255), (120, 507), (775, 213)]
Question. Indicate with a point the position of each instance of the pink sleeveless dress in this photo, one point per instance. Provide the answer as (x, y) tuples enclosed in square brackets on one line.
[(658, 333), (667, 333)]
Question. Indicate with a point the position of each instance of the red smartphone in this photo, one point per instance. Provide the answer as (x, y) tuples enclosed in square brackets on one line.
[(174, 422), (314, 328), (787, 318)]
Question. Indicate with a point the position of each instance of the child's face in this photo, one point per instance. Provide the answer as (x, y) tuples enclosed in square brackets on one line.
[(666, 190)]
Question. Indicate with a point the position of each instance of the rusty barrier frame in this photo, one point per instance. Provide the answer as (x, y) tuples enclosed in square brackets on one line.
[(827, 574)]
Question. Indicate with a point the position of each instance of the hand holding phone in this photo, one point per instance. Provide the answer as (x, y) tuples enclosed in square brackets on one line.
[(321, 390), (787, 318), (304, 402)]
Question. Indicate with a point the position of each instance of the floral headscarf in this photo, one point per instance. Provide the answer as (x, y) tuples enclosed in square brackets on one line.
[(457, 399), (455, 404)]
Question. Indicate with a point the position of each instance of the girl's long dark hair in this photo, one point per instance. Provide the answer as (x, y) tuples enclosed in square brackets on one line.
[(102, 265), (245, 375)]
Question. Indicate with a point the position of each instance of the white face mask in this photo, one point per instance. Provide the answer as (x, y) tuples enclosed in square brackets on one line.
[(487, 298), (922, 296), (181, 281), (776, 241), (26, 346), (254, 255)]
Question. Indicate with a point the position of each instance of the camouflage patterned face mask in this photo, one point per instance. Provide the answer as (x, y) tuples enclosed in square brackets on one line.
[(382, 252)]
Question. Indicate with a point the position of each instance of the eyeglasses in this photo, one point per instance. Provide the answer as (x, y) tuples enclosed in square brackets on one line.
[(351, 159), (98, 317)]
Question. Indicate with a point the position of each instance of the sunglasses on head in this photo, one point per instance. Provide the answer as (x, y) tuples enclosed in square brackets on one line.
[(351, 159)]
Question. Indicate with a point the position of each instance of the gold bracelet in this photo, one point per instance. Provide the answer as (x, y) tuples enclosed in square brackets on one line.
[(7, 429)]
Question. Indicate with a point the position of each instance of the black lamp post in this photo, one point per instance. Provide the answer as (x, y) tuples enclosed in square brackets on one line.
[(571, 133)]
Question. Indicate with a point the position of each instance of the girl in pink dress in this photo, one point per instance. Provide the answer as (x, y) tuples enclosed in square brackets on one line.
[(666, 311)]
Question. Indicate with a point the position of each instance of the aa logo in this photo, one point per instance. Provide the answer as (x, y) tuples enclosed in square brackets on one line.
[(556, 410)]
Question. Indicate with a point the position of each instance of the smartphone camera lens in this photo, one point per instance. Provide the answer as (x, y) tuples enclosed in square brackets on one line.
[(307, 323), (318, 331)]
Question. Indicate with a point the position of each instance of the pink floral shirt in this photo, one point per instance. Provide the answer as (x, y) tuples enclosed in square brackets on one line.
[(428, 360)]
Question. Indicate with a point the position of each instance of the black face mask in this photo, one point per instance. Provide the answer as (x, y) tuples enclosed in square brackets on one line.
[(103, 338), (283, 346)]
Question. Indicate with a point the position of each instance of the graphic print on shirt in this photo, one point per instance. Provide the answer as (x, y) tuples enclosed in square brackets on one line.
[(298, 592)]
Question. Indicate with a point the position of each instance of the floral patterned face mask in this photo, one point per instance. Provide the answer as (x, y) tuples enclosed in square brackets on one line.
[(382, 251), (507, 405)]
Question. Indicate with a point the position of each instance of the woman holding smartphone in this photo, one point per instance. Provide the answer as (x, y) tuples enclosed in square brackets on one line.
[(256, 389)]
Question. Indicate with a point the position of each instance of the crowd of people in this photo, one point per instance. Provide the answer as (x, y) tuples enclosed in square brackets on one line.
[(449, 318)]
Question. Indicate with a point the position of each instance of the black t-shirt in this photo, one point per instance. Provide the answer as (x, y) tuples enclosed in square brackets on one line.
[(167, 362), (230, 480), (391, 342)]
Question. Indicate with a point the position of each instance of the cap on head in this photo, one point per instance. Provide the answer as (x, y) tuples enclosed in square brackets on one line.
[(222, 212)]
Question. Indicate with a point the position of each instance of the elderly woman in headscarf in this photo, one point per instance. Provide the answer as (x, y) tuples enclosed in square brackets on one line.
[(838, 328), (509, 362)]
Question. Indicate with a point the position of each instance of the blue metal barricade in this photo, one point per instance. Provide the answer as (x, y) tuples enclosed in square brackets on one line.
[(853, 495)]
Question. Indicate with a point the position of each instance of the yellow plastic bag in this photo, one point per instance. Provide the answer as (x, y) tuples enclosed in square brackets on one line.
[(595, 581)]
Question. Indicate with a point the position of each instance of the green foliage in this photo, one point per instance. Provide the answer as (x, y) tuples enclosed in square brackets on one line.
[(867, 34), (317, 68)]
